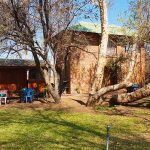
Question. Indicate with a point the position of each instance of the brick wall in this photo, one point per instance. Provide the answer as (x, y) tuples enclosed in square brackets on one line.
[(82, 65)]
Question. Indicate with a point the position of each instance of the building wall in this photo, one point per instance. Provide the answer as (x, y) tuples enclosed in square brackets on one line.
[(12, 79), (82, 66), (139, 71), (83, 56), (147, 68)]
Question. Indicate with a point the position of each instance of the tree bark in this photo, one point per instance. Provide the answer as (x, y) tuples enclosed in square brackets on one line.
[(132, 63), (93, 99), (99, 71), (50, 89), (131, 97)]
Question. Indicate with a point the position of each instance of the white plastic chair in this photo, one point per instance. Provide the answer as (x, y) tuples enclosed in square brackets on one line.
[(3, 96)]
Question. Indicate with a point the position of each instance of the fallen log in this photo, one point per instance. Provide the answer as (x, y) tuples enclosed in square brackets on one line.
[(94, 98), (131, 97)]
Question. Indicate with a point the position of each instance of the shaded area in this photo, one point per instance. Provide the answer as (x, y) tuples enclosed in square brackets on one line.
[(79, 101), (144, 102)]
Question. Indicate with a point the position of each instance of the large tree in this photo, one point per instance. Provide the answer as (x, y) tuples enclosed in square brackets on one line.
[(139, 19), (101, 61), (32, 26), (97, 90)]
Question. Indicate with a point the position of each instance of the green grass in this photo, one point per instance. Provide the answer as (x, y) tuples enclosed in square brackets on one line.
[(32, 129), (142, 112)]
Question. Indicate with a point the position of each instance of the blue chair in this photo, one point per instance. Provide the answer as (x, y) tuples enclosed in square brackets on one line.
[(27, 94), (133, 88), (2, 95), (23, 94)]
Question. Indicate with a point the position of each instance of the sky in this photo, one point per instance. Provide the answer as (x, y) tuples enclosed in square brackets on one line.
[(116, 10)]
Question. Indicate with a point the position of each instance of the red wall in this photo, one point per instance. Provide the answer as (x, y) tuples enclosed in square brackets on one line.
[(12, 79)]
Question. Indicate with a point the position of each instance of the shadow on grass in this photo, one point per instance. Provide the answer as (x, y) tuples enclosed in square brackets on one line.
[(49, 130), (128, 143)]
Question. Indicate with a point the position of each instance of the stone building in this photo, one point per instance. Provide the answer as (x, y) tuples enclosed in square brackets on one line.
[(84, 39)]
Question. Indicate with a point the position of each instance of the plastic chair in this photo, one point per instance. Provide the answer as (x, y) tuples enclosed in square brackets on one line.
[(23, 94), (3, 96), (27, 94)]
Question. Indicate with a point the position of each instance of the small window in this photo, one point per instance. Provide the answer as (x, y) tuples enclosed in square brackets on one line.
[(147, 47), (111, 48), (128, 47)]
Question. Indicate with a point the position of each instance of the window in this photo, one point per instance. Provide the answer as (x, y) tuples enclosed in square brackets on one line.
[(128, 47), (111, 48), (147, 47)]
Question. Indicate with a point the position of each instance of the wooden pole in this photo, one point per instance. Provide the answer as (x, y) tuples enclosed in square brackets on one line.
[(27, 78)]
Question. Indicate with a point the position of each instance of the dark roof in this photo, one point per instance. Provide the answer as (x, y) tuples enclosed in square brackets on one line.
[(16, 63)]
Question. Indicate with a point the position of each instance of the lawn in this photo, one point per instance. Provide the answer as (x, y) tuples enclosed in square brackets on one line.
[(37, 129)]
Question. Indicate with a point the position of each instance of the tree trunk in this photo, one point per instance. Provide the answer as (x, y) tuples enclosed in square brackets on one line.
[(50, 89), (56, 81), (99, 72), (45, 74), (131, 97), (94, 98), (132, 63)]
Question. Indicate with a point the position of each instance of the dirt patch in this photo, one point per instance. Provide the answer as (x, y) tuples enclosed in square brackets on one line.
[(76, 103), (68, 103)]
